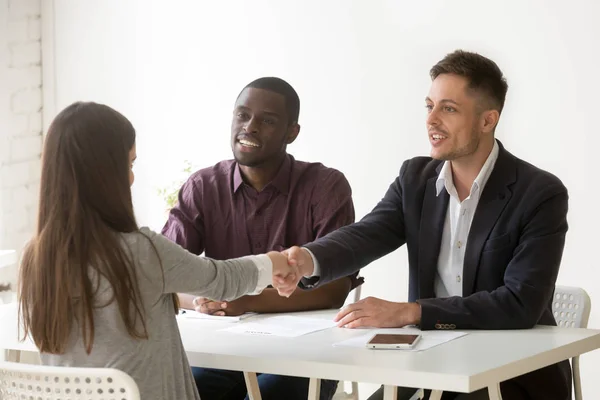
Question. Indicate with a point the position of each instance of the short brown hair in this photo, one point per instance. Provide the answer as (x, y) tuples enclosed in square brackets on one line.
[(483, 74)]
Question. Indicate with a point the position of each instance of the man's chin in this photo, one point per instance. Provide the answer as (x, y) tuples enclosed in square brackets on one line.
[(246, 161), (438, 155)]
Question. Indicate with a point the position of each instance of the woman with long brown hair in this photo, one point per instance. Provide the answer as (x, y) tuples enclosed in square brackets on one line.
[(95, 290)]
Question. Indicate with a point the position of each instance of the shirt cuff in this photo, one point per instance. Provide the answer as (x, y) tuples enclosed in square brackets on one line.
[(317, 268), (265, 273)]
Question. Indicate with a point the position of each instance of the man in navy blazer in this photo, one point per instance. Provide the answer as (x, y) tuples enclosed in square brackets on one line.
[(485, 230)]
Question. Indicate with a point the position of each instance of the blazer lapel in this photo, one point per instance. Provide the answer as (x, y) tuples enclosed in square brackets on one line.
[(430, 236), (494, 198)]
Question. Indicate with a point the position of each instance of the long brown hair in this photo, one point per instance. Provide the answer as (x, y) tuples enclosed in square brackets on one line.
[(85, 203)]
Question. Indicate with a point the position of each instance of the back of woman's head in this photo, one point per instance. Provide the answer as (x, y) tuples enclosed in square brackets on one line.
[(85, 203), (85, 169)]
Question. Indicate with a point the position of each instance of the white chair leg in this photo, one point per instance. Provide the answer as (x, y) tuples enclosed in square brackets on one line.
[(494, 392), (341, 394), (576, 378), (390, 392), (436, 395), (314, 389), (419, 395), (354, 393), (252, 386)]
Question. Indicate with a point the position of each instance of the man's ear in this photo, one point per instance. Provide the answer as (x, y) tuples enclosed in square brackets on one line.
[(293, 132), (490, 120)]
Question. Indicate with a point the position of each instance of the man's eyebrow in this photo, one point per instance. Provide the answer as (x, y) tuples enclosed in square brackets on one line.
[(444, 101), (271, 113), (266, 112)]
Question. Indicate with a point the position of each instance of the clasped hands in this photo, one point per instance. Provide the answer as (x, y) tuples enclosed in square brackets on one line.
[(290, 266)]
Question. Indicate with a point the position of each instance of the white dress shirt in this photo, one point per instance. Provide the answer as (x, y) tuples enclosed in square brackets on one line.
[(449, 276), (448, 279)]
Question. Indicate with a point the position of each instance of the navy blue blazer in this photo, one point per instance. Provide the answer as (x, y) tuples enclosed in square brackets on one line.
[(513, 253)]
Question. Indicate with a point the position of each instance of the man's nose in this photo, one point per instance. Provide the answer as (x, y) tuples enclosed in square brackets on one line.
[(432, 118), (251, 126)]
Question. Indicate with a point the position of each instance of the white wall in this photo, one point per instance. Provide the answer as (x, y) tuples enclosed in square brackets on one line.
[(361, 69), (20, 122)]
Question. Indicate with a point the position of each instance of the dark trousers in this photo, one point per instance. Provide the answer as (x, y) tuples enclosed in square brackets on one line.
[(214, 384), (509, 392)]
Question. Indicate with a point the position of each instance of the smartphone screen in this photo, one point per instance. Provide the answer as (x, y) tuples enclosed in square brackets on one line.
[(390, 338)]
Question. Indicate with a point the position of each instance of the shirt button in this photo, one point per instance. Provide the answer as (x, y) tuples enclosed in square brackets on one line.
[(459, 244), (458, 278)]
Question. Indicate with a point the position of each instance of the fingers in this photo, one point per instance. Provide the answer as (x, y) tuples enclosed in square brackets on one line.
[(286, 286), (281, 282), (346, 317), (207, 306), (285, 276), (294, 256), (281, 268), (359, 323), (287, 269), (199, 300), (210, 310), (217, 313), (347, 310)]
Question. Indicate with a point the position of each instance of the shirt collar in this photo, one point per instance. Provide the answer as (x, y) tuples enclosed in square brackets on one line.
[(281, 181), (445, 180)]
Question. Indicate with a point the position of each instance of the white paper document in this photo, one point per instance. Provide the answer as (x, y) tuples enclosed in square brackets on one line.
[(193, 314), (284, 325), (428, 340)]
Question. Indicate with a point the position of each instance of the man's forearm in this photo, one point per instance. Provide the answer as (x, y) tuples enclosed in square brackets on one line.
[(332, 295)]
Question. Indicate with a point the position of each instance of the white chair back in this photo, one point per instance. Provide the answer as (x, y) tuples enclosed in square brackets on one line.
[(571, 307), (26, 381)]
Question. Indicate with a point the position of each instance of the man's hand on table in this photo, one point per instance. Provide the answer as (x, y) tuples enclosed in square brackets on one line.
[(220, 308), (372, 312)]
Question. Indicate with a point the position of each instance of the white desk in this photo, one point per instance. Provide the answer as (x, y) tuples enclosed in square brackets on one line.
[(7, 258), (462, 365)]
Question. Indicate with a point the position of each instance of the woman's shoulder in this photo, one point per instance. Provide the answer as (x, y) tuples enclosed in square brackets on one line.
[(145, 240), (141, 240), (142, 234)]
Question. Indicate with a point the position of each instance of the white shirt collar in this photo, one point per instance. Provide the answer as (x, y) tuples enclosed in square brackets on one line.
[(445, 180)]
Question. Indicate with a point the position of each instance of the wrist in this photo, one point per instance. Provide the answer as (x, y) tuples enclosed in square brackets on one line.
[(307, 268), (186, 301), (273, 256), (416, 314), (243, 304)]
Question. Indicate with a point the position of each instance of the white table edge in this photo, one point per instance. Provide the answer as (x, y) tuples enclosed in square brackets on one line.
[(330, 371), (446, 382), (535, 362)]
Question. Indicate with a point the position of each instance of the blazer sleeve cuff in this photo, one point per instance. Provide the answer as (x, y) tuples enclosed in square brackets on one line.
[(429, 315)]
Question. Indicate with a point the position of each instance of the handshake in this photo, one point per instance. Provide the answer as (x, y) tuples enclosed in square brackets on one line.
[(289, 267)]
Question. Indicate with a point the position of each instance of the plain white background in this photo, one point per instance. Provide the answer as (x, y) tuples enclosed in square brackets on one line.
[(361, 70)]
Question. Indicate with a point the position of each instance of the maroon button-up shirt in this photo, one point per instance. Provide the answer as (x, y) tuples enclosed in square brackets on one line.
[(220, 215)]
